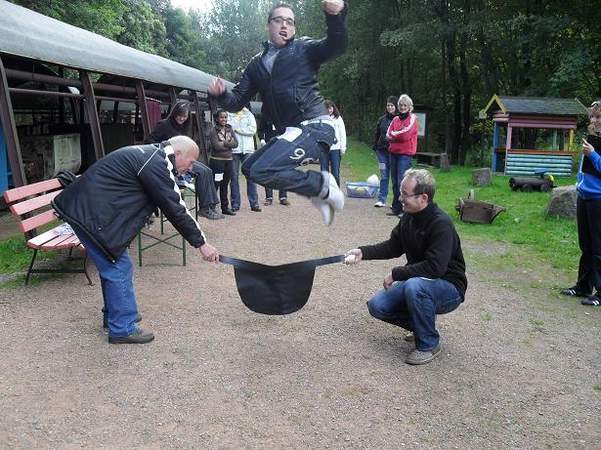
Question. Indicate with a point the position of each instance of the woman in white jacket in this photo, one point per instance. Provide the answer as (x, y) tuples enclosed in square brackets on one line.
[(330, 162)]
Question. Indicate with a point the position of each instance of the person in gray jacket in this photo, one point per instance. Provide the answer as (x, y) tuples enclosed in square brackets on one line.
[(111, 202)]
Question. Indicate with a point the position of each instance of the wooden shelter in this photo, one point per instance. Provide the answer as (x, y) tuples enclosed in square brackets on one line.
[(69, 96), (532, 134)]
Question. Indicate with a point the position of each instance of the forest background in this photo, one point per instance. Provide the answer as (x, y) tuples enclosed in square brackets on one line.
[(450, 56)]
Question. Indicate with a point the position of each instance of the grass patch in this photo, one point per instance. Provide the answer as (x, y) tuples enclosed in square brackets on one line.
[(539, 239), (597, 387)]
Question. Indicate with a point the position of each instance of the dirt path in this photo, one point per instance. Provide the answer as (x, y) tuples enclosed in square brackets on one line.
[(518, 369)]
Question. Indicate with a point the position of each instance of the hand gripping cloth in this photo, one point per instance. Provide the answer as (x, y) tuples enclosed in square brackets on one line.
[(276, 290)]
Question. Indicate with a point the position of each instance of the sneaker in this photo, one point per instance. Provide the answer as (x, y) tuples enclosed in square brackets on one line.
[(575, 291), (139, 336), (227, 212), (105, 320), (284, 201), (210, 214), (326, 210), (409, 337), (593, 300), (335, 196), (268, 202), (394, 213), (380, 204), (255, 208), (235, 208), (418, 357)]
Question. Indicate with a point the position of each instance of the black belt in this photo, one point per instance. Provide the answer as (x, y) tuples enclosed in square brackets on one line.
[(275, 290)]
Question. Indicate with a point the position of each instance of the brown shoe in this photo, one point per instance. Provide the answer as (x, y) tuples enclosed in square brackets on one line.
[(137, 337)]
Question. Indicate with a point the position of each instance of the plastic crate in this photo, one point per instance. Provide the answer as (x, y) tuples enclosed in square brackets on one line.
[(361, 189)]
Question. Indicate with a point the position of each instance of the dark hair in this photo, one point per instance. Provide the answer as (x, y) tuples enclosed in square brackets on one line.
[(394, 100), (276, 6), (334, 107), (217, 113), (179, 109)]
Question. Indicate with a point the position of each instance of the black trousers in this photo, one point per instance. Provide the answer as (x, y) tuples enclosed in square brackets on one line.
[(588, 215), (223, 170)]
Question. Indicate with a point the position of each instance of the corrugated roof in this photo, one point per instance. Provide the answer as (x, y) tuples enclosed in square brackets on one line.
[(547, 106), (31, 35)]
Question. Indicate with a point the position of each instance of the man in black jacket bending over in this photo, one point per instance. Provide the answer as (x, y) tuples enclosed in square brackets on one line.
[(285, 75), (432, 282), (111, 202)]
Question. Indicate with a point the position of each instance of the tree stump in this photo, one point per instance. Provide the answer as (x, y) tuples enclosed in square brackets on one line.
[(482, 177), (445, 166)]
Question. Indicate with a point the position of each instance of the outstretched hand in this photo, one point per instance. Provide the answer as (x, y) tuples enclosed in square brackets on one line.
[(332, 7), (217, 87), (353, 256), (209, 253)]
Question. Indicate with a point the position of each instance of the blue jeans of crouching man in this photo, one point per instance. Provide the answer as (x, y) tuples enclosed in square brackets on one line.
[(413, 304), (275, 164), (251, 188), (117, 287)]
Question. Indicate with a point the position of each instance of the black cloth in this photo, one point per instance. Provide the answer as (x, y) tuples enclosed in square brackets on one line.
[(116, 196), (587, 164), (380, 139), (588, 219), (166, 129), (276, 290), (290, 93), (431, 245)]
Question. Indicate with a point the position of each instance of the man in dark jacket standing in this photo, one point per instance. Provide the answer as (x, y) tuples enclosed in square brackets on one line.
[(111, 202), (432, 282), (285, 75)]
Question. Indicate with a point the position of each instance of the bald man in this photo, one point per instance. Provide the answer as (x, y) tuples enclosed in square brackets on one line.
[(111, 202)]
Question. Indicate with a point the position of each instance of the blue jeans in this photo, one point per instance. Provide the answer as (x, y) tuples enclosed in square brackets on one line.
[(117, 287), (398, 166), (251, 188), (413, 304), (275, 164), (269, 194), (330, 162), (384, 165)]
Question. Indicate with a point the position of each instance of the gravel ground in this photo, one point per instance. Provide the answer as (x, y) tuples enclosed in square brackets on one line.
[(518, 370)]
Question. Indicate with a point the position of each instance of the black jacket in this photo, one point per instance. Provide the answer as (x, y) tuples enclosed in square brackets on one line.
[(113, 199), (290, 93), (166, 129), (431, 244), (380, 139)]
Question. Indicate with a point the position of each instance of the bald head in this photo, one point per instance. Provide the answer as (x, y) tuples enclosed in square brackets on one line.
[(186, 152)]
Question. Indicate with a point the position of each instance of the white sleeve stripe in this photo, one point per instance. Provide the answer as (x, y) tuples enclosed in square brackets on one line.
[(178, 192)]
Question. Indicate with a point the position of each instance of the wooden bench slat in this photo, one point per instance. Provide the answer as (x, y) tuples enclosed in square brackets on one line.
[(49, 235), (16, 194), (33, 203), (37, 221), (69, 242)]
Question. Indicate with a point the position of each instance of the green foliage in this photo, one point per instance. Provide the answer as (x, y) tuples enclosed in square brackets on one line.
[(524, 224), (14, 256)]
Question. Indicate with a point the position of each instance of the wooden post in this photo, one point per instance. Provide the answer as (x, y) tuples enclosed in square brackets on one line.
[(571, 141), (143, 108), (92, 113), (199, 121), (13, 148), (172, 96), (495, 144), (508, 142)]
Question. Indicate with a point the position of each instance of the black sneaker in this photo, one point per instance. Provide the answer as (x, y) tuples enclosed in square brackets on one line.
[(593, 300), (394, 213), (105, 321), (255, 208), (227, 212), (139, 336), (285, 202), (575, 291), (268, 202)]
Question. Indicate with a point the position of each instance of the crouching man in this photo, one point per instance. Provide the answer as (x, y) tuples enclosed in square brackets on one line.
[(111, 202), (432, 282)]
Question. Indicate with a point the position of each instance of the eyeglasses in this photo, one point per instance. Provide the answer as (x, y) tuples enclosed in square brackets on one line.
[(279, 20), (405, 195)]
